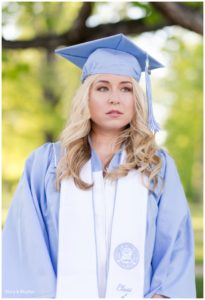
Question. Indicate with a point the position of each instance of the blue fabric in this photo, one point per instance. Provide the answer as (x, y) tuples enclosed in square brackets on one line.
[(30, 235), (97, 164), (79, 54), (111, 61), (153, 125)]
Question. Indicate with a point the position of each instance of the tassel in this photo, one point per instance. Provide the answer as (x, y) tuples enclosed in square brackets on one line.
[(153, 125)]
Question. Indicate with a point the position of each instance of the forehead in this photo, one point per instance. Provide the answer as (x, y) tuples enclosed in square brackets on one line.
[(111, 78)]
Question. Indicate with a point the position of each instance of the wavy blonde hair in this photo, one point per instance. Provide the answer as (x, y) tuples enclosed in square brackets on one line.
[(137, 139)]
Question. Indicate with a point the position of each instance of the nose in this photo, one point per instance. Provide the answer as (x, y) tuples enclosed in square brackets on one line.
[(114, 98)]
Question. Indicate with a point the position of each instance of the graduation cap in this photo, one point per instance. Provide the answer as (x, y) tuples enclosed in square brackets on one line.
[(117, 55)]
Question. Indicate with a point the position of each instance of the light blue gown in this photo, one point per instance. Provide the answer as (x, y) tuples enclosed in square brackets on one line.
[(30, 235)]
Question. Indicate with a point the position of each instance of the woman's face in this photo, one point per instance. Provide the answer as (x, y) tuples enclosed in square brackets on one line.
[(111, 102)]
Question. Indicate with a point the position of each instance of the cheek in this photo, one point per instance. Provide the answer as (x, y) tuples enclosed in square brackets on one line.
[(129, 105), (96, 107)]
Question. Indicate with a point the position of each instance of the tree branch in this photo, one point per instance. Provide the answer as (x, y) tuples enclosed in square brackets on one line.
[(79, 26), (51, 41), (179, 14), (174, 14), (128, 27)]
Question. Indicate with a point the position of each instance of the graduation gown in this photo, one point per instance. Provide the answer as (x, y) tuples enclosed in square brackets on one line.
[(30, 234)]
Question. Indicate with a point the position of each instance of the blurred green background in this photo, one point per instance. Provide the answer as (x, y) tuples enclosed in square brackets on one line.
[(38, 86)]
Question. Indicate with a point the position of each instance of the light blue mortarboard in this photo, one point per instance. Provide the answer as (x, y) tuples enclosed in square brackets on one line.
[(117, 55)]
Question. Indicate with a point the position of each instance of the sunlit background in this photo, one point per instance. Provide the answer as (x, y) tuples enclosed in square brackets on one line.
[(38, 87)]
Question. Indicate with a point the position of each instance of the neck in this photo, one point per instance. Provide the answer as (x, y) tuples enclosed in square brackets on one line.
[(104, 140), (104, 144)]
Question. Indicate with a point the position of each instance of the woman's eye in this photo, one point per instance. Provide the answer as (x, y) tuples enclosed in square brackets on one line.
[(127, 89), (102, 88)]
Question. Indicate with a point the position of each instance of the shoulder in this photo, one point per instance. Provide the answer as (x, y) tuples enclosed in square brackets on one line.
[(168, 162), (39, 173), (168, 175), (173, 191), (48, 152), (43, 158)]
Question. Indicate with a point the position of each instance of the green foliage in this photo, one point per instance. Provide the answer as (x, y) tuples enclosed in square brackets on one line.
[(36, 90), (184, 124), (199, 287), (197, 222), (40, 17)]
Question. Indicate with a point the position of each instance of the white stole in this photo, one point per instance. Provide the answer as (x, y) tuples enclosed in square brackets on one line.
[(77, 262)]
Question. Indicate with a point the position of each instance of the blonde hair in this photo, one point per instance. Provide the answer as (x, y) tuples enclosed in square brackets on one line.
[(137, 139)]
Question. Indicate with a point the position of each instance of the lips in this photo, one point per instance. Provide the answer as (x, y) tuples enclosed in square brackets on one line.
[(116, 112)]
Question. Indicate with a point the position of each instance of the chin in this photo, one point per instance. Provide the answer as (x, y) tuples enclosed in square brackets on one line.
[(112, 126), (116, 127)]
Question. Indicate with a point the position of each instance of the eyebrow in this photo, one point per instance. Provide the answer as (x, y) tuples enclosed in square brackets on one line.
[(105, 81)]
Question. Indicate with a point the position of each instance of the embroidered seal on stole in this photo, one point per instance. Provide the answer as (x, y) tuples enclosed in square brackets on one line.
[(126, 256)]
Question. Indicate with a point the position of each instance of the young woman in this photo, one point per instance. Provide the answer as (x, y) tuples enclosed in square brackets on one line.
[(102, 213)]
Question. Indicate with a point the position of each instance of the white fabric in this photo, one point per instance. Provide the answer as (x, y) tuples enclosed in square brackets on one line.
[(103, 199), (77, 263), (129, 226), (76, 277)]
